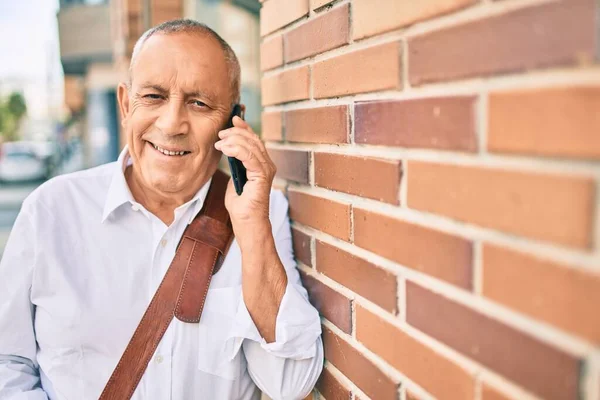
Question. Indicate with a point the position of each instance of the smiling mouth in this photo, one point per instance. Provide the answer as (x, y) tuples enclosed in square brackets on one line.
[(169, 153)]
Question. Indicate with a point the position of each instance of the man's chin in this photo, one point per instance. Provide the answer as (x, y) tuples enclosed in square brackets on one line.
[(167, 183)]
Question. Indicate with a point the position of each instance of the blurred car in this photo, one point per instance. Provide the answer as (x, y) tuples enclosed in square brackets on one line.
[(18, 165), (48, 152)]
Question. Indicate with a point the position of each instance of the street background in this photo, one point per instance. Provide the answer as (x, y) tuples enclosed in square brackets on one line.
[(31, 76)]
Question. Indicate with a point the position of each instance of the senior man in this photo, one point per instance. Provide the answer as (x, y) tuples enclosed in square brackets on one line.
[(89, 250)]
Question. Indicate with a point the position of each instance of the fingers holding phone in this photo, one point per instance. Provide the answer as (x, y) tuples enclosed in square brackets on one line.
[(237, 161), (236, 167), (241, 144)]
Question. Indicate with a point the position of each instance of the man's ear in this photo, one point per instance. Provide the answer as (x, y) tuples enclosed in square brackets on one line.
[(123, 99)]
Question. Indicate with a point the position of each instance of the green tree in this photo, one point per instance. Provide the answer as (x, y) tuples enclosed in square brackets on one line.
[(16, 105), (2, 121), (11, 113)]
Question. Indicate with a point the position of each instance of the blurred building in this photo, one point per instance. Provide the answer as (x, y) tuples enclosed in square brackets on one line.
[(96, 41), (86, 49)]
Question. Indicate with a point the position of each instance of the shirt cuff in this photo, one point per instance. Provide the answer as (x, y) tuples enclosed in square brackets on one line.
[(297, 328)]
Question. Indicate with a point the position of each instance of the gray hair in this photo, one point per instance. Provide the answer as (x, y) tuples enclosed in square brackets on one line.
[(191, 26)]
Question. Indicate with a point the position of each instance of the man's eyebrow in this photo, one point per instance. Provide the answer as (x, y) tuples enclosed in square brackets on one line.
[(200, 94), (195, 93), (158, 88)]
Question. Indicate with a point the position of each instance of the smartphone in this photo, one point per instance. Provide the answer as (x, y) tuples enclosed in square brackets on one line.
[(238, 171)]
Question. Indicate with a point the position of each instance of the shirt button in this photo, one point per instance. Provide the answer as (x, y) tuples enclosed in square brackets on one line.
[(159, 359), (163, 242)]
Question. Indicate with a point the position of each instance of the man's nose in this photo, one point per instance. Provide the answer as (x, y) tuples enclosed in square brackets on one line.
[(173, 118)]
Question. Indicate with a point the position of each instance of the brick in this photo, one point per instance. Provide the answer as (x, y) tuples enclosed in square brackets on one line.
[(538, 367), (562, 122), (331, 304), (370, 17), (302, 250), (272, 126), (286, 86), (367, 70), (358, 275), (564, 297), (430, 370), (314, 4), (271, 53), (291, 164), (489, 393), (276, 14), (362, 372), (522, 40), (446, 123), (325, 32), (541, 206), (317, 125), (428, 251), (331, 388), (328, 216), (355, 175)]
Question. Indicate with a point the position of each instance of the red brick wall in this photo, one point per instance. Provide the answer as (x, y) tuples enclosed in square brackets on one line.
[(441, 159)]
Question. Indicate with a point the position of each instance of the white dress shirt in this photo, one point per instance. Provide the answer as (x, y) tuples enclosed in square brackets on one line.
[(82, 264)]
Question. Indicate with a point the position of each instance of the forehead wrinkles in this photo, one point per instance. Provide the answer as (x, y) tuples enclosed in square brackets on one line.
[(182, 63), (181, 51)]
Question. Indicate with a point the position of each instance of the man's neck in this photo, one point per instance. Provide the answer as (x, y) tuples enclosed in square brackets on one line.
[(162, 205)]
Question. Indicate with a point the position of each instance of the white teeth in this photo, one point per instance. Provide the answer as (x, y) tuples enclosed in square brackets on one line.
[(169, 153)]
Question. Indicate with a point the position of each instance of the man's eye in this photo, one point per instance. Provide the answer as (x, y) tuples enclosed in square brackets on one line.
[(153, 96), (198, 103)]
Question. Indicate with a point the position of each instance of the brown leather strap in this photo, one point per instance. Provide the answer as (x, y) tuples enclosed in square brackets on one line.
[(182, 291)]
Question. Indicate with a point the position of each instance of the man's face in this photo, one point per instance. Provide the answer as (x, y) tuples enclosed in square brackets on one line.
[(180, 97)]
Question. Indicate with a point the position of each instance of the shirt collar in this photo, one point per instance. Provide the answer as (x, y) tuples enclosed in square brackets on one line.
[(119, 193)]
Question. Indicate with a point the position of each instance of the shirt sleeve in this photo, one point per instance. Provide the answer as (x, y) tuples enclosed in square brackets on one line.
[(289, 367), (19, 374)]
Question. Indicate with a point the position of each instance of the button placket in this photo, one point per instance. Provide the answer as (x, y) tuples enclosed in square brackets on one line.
[(158, 373), (159, 262), (162, 359), (156, 378)]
